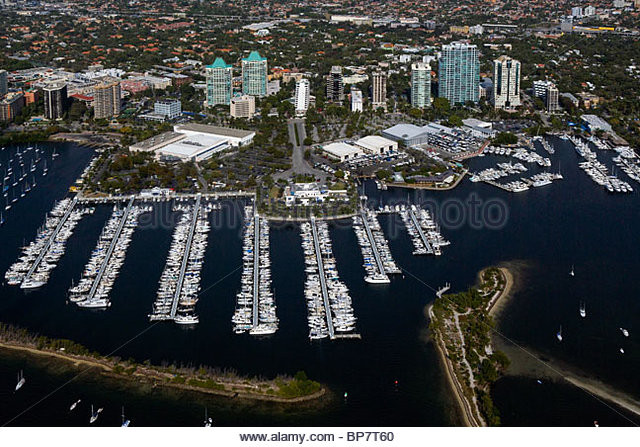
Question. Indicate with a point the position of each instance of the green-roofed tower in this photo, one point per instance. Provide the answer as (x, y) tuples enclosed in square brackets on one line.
[(219, 76), (254, 75)]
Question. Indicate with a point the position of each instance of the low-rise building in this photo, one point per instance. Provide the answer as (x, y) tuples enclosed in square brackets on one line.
[(374, 144), (342, 151)]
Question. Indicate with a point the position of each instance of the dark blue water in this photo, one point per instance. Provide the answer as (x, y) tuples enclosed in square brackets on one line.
[(570, 222)]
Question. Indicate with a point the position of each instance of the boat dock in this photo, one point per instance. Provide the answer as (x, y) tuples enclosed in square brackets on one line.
[(418, 228), (39, 258), (255, 304), (374, 248), (323, 279), (185, 258), (27, 279), (105, 263)]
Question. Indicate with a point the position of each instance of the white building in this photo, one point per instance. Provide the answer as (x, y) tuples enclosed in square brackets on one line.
[(379, 90), (242, 106), (302, 96), (374, 144), (192, 142), (342, 151), (168, 108), (506, 83), (356, 100), (576, 12)]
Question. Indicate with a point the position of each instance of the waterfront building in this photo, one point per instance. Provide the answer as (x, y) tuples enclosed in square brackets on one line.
[(254, 75), (219, 75), (506, 84), (379, 90), (168, 108), (243, 106), (55, 100), (302, 96), (4, 86), (335, 85), (107, 98), (356, 99), (11, 106), (420, 85), (459, 73)]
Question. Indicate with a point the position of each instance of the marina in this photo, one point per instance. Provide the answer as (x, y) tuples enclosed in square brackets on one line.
[(39, 258), (329, 305), (179, 285), (107, 258), (378, 262), (596, 170), (423, 230), (255, 304)]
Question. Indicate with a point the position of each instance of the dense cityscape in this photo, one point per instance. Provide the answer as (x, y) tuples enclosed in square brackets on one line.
[(310, 118)]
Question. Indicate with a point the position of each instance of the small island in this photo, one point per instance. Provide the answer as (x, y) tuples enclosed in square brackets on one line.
[(224, 383), (461, 326)]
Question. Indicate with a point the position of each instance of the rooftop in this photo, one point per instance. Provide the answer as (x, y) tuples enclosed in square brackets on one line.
[(215, 130), (219, 63), (254, 56)]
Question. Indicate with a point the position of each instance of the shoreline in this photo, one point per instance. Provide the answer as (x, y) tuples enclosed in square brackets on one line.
[(464, 410), (527, 362), (159, 379)]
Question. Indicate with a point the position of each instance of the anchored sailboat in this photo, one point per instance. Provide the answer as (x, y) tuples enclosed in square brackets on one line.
[(21, 381), (559, 334)]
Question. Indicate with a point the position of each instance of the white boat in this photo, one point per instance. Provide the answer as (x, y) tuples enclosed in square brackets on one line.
[(624, 332), (559, 334), (208, 422), (94, 415), (583, 310), (74, 405), (21, 381), (621, 351), (125, 421), (572, 272)]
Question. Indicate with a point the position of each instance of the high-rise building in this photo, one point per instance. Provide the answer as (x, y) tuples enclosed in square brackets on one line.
[(356, 99), (548, 92), (219, 86), (379, 90), (55, 100), (11, 106), (254, 75), (169, 108), (3, 83), (420, 85), (302, 96), (459, 73), (552, 99), (506, 83), (243, 106), (335, 85), (107, 98)]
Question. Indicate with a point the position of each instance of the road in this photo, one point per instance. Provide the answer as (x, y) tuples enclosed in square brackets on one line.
[(298, 164)]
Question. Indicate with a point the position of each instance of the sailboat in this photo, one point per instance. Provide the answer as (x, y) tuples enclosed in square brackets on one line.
[(208, 422), (22, 193), (8, 205), (621, 351), (55, 154), (21, 381), (74, 405), (94, 415), (125, 421), (624, 332), (559, 334), (572, 272), (583, 310), (33, 167), (44, 171), (1, 219)]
